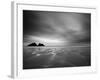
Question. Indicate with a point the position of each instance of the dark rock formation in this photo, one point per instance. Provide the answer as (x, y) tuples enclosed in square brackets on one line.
[(32, 44), (41, 44)]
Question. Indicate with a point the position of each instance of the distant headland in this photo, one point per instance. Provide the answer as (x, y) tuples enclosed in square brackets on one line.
[(34, 44)]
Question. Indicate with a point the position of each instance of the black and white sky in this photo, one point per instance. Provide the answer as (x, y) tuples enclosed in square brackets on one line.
[(56, 28)]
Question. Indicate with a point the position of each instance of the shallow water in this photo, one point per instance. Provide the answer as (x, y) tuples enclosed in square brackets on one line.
[(53, 57)]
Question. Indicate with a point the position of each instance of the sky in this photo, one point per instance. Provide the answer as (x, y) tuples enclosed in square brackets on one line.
[(56, 28)]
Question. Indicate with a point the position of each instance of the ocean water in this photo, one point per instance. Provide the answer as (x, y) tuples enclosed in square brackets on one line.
[(54, 57)]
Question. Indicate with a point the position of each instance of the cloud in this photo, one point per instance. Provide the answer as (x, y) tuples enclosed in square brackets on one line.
[(65, 26)]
